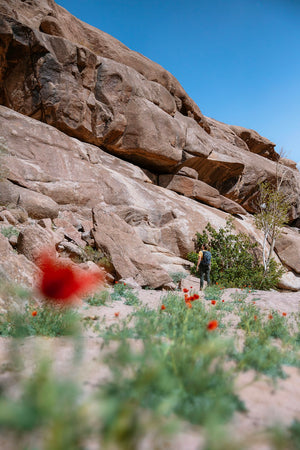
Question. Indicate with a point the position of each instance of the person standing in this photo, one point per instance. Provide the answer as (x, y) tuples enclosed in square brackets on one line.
[(204, 263)]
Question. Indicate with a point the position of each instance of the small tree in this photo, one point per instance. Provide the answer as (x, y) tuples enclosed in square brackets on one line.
[(272, 215)]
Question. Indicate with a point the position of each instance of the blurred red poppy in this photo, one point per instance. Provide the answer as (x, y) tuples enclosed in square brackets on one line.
[(62, 282)]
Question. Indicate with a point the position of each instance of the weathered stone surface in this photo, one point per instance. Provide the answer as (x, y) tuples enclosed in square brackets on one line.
[(289, 163), (287, 247), (33, 239), (7, 216), (200, 191), (256, 143), (128, 254), (15, 268), (55, 20), (37, 205), (69, 231), (290, 282), (188, 172)]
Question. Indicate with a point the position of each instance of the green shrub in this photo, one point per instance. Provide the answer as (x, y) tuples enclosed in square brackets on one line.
[(42, 320), (122, 291), (234, 261), (9, 231), (98, 299)]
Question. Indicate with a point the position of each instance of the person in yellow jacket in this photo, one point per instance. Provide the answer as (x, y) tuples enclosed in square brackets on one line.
[(204, 263)]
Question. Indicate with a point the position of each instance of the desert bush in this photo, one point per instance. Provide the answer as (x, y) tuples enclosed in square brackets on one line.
[(51, 320), (9, 231), (234, 261)]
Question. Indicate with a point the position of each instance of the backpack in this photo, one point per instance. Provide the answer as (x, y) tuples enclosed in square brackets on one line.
[(206, 258)]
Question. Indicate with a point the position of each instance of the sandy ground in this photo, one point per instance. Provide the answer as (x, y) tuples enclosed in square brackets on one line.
[(267, 404)]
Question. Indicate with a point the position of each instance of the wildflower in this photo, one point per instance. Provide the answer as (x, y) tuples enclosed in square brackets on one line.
[(185, 290), (223, 301), (192, 298), (217, 282), (188, 304), (255, 317), (117, 314), (270, 316), (196, 297), (212, 325), (213, 302), (162, 307), (284, 314), (34, 313), (124, 284), (61, 282), (116, 282)]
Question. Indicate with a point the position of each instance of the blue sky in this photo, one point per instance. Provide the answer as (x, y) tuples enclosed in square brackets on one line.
[(238, 59)]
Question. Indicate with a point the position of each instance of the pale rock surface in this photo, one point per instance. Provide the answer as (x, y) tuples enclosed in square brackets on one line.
[(14, 268), (287, 247), (33, 239), (290, 282), (128, 254), (201, 191)]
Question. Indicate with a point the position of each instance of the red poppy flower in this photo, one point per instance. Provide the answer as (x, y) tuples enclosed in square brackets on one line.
[(34, 313), (255, 317), (117, 314), (213, 302), (270, 316), (284, 314), (185, 290), (212, 325), (192, 298), (223, 301), (61, 282), (162, 307), (124, 284), (217, 282), (253, 303), (196, 297), (116, 282)]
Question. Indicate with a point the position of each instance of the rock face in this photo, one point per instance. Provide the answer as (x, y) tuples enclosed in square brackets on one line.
[(109, 130)]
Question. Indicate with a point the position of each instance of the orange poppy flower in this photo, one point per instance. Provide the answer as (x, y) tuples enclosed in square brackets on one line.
[(284, 314), (212, 325), (117, 314), (213, 302), (34, 313), (270, 316), (162, 307), (188, 304)]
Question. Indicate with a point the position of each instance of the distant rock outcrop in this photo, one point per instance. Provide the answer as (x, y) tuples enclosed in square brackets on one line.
[(107, 130)]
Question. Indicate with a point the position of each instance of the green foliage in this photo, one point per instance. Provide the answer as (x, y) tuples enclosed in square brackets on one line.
[(9, 231), (173, 371), (42, 320), (122, 291), (234, 262), (261, 355), (48, 405), (99, 298), (272, 215)]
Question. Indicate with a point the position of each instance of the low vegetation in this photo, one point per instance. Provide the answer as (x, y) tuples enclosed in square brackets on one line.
[(235, 259), (169, 366)]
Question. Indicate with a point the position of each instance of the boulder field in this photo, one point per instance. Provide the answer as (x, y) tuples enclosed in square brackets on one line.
[(102, 148)]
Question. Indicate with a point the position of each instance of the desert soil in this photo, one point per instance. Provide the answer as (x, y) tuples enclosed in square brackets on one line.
[(267, 404)]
